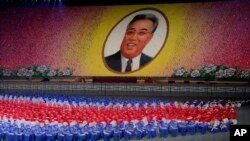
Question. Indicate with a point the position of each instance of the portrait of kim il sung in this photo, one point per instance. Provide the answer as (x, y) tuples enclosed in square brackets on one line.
[(135, 41)]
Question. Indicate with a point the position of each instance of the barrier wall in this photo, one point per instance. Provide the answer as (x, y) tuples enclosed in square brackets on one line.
[(132, 90)]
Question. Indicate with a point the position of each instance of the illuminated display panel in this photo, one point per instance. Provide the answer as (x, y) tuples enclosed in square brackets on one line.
[(192, 34)]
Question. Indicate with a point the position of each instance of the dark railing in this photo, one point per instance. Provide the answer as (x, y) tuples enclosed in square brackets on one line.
[(163, 88)]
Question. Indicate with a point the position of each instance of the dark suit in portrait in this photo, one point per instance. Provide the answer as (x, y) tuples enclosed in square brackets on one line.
[(114, 61)]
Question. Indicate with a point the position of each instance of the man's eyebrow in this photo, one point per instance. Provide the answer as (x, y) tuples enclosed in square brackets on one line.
[(139, 29), (144, 29), (131, 28)]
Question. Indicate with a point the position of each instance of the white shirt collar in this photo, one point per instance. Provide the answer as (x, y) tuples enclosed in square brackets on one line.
[(135, 62)]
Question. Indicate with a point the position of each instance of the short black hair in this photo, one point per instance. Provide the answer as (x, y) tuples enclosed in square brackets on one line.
[(150, 17)]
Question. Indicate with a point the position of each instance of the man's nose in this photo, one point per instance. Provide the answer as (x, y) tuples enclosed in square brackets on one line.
[(133, 36)]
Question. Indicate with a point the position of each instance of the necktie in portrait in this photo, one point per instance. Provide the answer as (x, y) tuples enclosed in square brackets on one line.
[(129, 68)]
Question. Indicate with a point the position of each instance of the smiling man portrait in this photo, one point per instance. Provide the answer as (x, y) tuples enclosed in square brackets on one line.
[(139, 32)]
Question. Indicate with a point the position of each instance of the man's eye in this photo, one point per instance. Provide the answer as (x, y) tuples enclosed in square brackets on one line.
[(130, 32), (142, 33)]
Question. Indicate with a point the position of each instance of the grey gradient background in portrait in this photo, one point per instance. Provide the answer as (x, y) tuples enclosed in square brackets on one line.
[(115, 38)]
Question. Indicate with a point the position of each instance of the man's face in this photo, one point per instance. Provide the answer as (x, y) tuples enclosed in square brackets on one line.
[(136, 38)]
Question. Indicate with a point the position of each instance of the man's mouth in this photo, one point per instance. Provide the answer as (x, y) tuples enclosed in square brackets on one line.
[(131, 45)]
